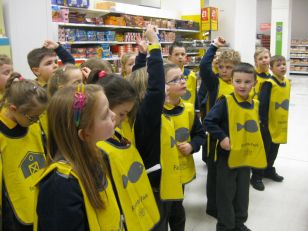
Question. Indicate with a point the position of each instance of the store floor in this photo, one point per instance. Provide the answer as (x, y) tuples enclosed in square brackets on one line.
[(282, 206)]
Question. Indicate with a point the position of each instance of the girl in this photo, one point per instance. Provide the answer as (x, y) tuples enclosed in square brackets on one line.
[(75, 191), (134, 193), (6, 69), (21, 148), (127, 63)]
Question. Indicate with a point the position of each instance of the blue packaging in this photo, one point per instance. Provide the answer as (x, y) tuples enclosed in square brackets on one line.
[(83, 3), (100, 35), (72, 3), (81, 35)]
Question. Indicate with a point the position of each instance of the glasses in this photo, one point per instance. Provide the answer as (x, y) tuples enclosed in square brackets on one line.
[(177, 80), (32, 119)]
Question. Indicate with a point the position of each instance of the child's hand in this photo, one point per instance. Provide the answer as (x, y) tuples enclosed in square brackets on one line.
[(49, 44), (219, 41), (151, 34), (142, 45), (185, 148), (225, 144), (85, 73)]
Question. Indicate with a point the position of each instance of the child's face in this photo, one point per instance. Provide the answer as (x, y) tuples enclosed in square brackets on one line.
[(103, 125), (5, 72), (178, 56), (129, 65), (121, 112), (176, 82), (26, 119), (279, 68), (47, 67), (225, 71), (263, 60), (243, 82)]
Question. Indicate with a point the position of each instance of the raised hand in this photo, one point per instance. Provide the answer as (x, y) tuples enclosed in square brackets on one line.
[(49, 44)]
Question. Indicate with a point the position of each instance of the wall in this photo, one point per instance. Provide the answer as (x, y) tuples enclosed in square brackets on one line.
[(264, 9), (299, 19)]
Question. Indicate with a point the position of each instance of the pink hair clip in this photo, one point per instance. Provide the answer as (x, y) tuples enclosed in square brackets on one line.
[(79, 103), (102, 74), (20, 78)]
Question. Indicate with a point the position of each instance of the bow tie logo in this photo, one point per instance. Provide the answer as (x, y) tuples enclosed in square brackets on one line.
[(284, 105), (249, 126)]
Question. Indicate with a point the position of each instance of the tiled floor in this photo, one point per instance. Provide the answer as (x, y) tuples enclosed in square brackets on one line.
[(282, 206)]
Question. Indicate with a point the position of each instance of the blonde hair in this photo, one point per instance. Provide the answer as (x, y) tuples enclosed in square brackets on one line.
[(124, 59), (260, 50), (4, 59), (60, 76), (97, 64), (63, 140), (25, 94), (229, 55)]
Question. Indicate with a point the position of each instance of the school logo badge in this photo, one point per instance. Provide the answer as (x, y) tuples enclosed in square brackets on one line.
[(32, 163)]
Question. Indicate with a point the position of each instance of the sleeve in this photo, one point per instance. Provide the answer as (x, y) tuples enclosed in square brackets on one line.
[(60, 205), (64, 55), (207, 75), (140, 61), (197, 135), (215, 119), (264, 98)]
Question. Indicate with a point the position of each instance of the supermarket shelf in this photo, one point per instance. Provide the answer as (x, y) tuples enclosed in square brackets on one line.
[(107, 59), (299, 45), (299, 64), (299, 57), (105, 42), (86, 10), (299, 52), (299, 72)]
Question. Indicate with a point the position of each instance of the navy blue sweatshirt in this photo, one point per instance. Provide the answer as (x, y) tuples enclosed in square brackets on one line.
[(64, 55)]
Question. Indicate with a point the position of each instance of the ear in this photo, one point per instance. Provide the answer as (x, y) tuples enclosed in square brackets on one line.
[(82, 134), (12, 107), (36, 71)]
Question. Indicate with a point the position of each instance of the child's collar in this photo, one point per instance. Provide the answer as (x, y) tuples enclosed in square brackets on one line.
[(8, 122), (241, 100), (259, 72), (40, 82), (278, 79), (170, 106)]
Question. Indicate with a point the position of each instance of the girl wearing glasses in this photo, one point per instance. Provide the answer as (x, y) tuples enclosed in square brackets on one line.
[(21, 148)]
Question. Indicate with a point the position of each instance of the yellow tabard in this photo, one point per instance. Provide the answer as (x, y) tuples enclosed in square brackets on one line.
[(279, 112), (224, 88), (247, 147), (170, 183), (183, 123), (22, 162), (256, 89), (44, 122), (191, 86), (132, 185), (126, 131), (107, 219)]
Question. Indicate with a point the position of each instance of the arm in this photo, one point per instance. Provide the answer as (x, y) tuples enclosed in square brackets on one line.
[(140, 61), (60, 205), (62, 53), (264, 98), (197, 135)]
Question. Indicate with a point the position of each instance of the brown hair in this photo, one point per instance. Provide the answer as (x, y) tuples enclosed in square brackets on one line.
[(174, 45), (245, 68), (61, 76), (24, 93), (260, 50), (4, 59), (36, 56), (277, 58), (87, 162), (124, 59), (97, 64), (229, 55)]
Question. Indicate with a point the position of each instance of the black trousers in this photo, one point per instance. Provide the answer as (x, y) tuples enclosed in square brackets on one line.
[(271, 150), (232, 195), (171, 212)]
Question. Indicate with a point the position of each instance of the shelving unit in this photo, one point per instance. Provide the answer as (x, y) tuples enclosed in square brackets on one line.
[(299, 57)]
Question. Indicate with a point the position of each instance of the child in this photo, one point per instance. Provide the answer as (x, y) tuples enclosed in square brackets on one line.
[(177, 55), (155, 134), (43, 61), (262, 59), (189, 135), (6, 70), (75, 191), (127, 63), (216, 87), (134, 193), (97, 64), (233, 120), (21, 148), (274, 107), (63, 77)]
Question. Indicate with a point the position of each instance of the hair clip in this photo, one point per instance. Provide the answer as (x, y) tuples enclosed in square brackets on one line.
[(102, 74), (79, 103), (20, 78)]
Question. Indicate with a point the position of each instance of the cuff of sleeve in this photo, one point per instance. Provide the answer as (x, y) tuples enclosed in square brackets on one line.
[(154, 46)]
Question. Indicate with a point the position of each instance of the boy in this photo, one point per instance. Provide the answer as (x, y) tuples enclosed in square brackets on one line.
[(189, 135), (43, 61), (234, 122), (216, 87), (274, 107), (177, 55), (6, 70)]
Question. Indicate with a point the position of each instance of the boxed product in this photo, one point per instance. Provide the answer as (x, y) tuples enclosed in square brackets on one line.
[(100, 35), (92, 52), (79, 52), (91, 35), (114, 20), (83, 3), (72, 3), (59, 14), (109, 36), (105, 5), (81, 35)]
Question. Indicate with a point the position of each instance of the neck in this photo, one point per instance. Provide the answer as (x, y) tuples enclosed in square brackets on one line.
[(279, 77), (244, 98), (8, 114), (173, 100), (262, 69)]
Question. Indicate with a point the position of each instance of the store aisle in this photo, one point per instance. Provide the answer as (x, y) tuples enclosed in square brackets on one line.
[(282, 206)]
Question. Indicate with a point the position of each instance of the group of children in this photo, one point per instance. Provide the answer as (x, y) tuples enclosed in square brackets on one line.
[(83, 148)]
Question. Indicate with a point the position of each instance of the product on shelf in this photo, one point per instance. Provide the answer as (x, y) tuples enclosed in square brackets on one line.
[(105, 5), (299, 56)]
